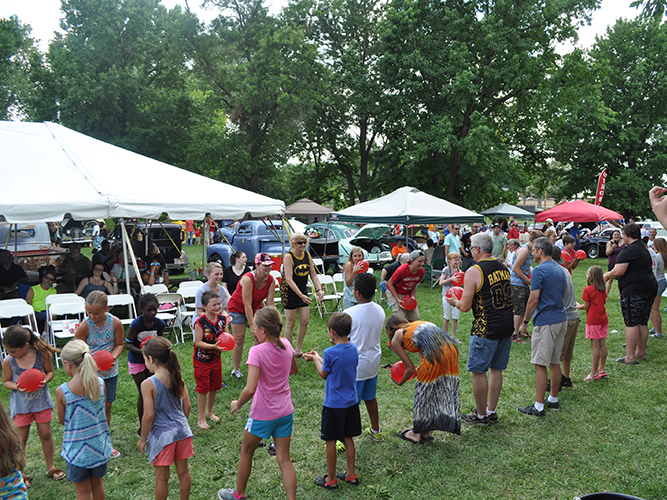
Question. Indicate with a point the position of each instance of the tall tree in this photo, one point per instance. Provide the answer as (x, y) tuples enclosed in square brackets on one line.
[(627, 67), (462, 78), (258, 69), (119, 74)]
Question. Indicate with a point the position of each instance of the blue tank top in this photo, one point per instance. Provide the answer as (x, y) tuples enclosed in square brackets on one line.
[(525, 268), (169, 422), (86, 440), (28, 402), (103, 339)]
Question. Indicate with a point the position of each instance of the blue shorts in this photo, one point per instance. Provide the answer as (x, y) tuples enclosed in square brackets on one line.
[(486, 353), (367, 389), (238, 318), (110, 385), (79, 474), (662, 285), (278, 428)]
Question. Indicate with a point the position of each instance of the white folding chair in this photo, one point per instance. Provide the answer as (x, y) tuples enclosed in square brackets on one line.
[(62, 297), (155, 289), (190, 284), (124, 300), (171, 314), (188, 307), (65, 328), (16, 308), (277, 276), (319, 265), (330, 295)]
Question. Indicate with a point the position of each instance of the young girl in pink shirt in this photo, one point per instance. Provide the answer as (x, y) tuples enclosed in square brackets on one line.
[(270, 363)]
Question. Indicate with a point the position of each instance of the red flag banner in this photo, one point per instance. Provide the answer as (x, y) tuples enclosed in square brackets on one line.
[(599, 193)]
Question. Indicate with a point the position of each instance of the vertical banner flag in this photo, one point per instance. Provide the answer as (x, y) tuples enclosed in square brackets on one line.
[(599, 193)]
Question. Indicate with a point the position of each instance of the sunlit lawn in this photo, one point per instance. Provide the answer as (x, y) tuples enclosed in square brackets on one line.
[(609, 435)]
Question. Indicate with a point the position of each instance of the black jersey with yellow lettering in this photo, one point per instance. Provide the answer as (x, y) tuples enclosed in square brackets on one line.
[(492, 303)]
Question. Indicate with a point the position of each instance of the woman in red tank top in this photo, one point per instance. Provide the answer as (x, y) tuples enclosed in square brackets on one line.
[(251, 291)]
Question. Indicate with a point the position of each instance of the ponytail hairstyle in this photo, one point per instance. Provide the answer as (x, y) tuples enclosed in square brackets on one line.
[(270, 319), (596, 278), (16, 336), (394, 322), (12, 456), (77, 352), (159, 348), (236, 255)]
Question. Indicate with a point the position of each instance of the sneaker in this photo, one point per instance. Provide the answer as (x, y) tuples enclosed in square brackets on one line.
[(340, 446), (375, 436), (472, 418), (532, 411), (115, 453), (457, 341), (657, 335), (272, 449), (652, 331), (548, 389), (237, 374), (553, 406), (229, 494), (493, 418), (565, 382)]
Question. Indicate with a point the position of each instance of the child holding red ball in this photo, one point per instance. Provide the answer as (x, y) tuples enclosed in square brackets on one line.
[(447, 279)]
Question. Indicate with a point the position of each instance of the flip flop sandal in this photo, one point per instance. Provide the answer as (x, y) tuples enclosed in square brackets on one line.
[(27, 480), (329, 485), (622, 360), (589, 378), (402, 435), (56, 474), (353, 480), (600, 375)]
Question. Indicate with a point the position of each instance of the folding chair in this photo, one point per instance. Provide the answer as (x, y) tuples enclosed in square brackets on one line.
[(330, 295), (278, 278), (16, 308), (124, 300), (188, 308), (438, 267), (191, 284), (156, 289), (64, 329), (171, 314), (319, 265)]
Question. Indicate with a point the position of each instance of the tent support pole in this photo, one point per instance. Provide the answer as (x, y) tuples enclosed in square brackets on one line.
[(127, 267)]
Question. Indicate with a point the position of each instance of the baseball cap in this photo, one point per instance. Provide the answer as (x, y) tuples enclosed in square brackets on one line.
[(263, 258), (550, 221), (644, 233), (415, 254)]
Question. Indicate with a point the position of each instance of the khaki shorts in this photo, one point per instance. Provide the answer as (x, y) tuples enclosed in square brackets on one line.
[(397, 309), (547, 343), (570, 337), (520, 296)]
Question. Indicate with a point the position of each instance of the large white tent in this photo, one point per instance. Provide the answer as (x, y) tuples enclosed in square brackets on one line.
[(406, 205), (48, 170)]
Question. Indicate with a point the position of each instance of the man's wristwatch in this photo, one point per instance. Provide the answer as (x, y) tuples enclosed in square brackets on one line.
[(525, 322)]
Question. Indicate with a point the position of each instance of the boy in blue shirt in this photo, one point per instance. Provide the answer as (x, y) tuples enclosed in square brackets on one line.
[(341, 420)]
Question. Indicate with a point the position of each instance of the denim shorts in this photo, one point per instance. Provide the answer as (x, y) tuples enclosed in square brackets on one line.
[(238, 318), (278, 428), (79, 474), (110, 386), (662, 284), (367, 389), (488, 353)]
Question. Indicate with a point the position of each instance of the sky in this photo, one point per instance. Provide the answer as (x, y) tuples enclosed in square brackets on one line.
[(44, 16)]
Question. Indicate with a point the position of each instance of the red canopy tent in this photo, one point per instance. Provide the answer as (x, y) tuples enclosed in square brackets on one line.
[(578, 211)]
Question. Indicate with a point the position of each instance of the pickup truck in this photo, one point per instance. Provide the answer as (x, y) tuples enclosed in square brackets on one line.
[(251, 237), (33, 246)]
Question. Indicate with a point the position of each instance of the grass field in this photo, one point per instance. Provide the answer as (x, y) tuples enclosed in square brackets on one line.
[(609, 435)]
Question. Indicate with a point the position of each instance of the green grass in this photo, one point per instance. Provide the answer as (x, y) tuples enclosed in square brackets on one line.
[(609, 435)]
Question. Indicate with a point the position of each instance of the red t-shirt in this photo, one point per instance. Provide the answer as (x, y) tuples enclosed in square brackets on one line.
[(235, 303), (404, 280), (597, 313), (514, 233)]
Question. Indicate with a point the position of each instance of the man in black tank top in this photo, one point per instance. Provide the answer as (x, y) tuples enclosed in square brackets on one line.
[(487, 292)]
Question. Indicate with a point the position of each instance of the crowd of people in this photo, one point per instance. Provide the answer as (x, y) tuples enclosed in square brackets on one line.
[(507, 284)]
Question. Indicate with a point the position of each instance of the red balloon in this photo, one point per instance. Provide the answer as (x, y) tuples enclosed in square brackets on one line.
[(104, 360), (566, 256), (457, 278), (226, 341), (398, 370), (580, 254), (409, 302), (455, 290), (30, 379), (364, 266)]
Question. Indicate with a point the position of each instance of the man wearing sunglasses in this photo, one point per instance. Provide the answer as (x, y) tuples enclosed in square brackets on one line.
[(453, 240)]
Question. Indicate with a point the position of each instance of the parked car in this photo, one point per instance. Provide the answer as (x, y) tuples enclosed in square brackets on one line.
[(33, 246), (251, 237), (168, 237), (339, 238), (596, 244)]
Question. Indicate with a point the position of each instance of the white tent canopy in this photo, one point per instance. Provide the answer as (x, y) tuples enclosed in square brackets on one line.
[(406, 205), (49, 170)]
